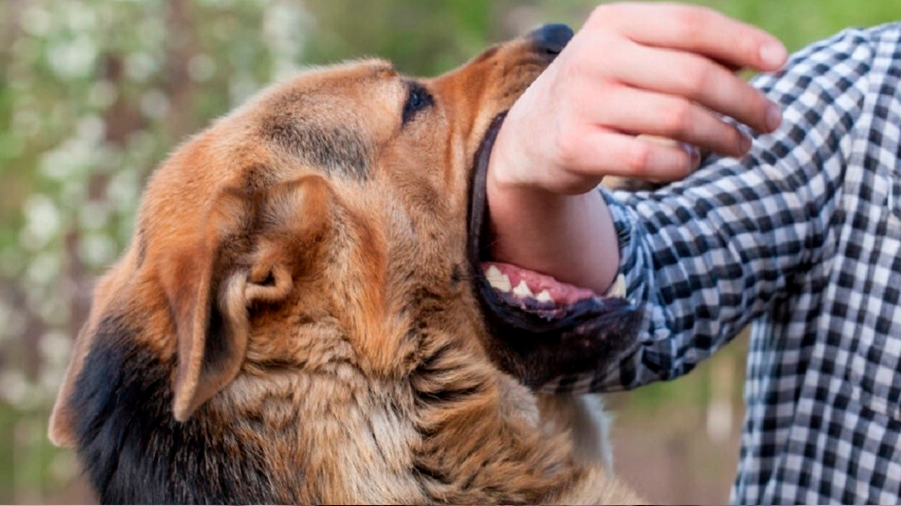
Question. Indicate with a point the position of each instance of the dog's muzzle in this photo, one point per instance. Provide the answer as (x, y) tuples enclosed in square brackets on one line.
[(541, 328)]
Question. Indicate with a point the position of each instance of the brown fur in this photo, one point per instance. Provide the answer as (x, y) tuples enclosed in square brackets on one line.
[(300, 274)]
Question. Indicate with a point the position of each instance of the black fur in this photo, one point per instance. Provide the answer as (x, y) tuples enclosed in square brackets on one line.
[(135, 452)]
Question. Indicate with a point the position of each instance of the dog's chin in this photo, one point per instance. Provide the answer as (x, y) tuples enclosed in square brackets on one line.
[(541, 328)]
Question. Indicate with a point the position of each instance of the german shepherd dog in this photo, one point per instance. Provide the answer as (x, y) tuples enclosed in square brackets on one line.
[(303, 314)]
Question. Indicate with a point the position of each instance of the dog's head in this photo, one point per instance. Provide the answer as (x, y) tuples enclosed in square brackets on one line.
[(331, 226)]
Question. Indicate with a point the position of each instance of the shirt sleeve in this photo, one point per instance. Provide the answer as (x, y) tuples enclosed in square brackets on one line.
[(705, 256)]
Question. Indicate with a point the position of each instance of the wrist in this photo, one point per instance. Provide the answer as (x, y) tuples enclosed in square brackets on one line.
[(569, 237)]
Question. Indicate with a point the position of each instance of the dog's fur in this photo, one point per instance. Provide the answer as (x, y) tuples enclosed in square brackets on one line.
[(294, 320)]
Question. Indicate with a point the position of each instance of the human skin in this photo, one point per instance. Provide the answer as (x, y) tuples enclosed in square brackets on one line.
[(665, 70)]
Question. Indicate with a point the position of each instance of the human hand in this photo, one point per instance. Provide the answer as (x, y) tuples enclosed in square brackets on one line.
[(666, 70), (659, 69)]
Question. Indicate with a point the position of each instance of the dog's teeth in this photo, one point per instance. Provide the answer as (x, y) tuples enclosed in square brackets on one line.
[(497, 279), (544, 296), (619, 287), (522, 290)]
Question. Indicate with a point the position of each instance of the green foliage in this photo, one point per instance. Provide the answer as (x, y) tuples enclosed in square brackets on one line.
[(93, 93), (423, 38)]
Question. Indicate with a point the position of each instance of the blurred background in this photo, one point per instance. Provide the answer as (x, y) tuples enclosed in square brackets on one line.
[(94, 93)]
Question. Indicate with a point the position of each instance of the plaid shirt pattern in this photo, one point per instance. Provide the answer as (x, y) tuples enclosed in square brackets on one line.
[(802, 238)]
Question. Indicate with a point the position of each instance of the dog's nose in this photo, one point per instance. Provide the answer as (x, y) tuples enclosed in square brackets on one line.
[(551, 39)]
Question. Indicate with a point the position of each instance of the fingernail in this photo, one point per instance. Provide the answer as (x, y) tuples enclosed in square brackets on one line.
[(695, 157), (773, 117), (694, 153), (773, 54)]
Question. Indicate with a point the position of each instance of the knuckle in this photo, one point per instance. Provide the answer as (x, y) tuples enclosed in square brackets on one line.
[(566, 146), (678, 117), (604, 13), (691, 21), (578, 63), (611, 14), (638, 159), (698, 77), (748, 48)]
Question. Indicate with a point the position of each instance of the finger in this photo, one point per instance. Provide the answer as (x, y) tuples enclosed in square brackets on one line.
[(694, 29), (616, 154), (635, 111), (696, 153), (698, 79)]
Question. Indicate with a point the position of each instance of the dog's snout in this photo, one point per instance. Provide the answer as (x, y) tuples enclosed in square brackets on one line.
[(551, 38)]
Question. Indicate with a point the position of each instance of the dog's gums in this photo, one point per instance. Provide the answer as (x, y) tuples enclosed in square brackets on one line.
[(538, 293), (529, 286)]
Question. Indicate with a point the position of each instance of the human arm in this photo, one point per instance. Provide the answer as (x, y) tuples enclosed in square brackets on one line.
[(632, 69), (705, 256)]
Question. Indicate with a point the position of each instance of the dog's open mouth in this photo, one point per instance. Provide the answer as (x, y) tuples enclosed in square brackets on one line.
[(543, 328), (537, 293)]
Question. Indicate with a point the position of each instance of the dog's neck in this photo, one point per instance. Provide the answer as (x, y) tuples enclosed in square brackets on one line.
[(402, 437)]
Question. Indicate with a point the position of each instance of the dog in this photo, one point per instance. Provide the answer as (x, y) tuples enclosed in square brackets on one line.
[(304, 315)]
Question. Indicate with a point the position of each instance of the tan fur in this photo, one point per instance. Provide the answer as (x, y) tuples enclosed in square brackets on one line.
[(330, 238)]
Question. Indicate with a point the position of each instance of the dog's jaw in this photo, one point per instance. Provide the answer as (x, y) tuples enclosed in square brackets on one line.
[(535, 339)]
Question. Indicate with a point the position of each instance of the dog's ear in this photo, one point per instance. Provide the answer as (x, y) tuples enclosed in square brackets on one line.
[(206, 297), (215, 293), (252, 246)]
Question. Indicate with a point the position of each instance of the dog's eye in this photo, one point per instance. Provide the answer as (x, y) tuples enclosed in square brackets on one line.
[(418, 98)]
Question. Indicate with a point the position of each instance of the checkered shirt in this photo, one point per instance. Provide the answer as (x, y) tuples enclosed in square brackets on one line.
[(801, 238)]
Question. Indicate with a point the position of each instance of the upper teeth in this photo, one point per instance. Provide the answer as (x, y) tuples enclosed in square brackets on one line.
[(522, 290), (498, 279)]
